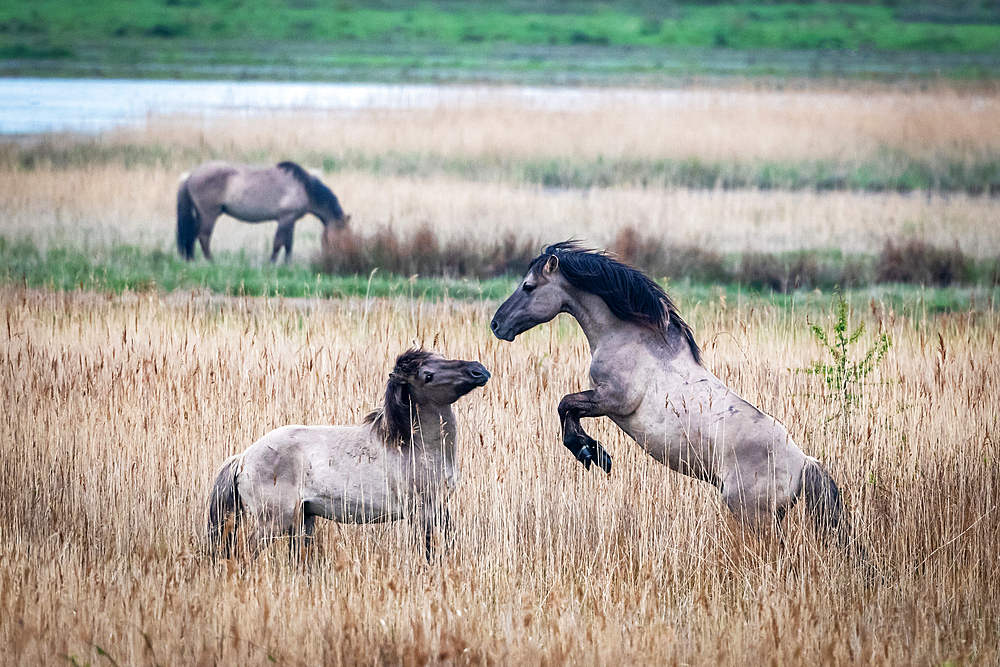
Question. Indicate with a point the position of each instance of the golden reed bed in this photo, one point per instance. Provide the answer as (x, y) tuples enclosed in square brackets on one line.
[(117, 411), (104, 206), (124, 198)]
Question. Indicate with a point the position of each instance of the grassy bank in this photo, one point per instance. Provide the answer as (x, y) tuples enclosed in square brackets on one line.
[(427, 40), (939, 281), (737, 25), (131, 269)]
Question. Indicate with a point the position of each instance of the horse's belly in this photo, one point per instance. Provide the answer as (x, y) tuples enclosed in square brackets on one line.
[(670, 444), (355, 510), (254, 213), (256, 206), (351, 502)]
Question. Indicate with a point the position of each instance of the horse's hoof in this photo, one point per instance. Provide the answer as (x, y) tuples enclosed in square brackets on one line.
[(603, 460)]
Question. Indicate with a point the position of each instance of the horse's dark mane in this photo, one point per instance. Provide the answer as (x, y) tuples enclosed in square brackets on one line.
[(315, 188), (394, 420), (630, 294)]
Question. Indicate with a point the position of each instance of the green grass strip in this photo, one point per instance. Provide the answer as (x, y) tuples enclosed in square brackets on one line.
[(129, 268), (34, 29), (126, 268)]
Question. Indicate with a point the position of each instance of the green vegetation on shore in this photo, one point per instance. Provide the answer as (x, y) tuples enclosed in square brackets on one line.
[(736, 25), (129, 268), (426, 39), (783, 279)]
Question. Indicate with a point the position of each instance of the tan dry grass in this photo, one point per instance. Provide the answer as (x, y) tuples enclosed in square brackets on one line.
[(102, 204), (112, 204), (706, 124), (118, 411)]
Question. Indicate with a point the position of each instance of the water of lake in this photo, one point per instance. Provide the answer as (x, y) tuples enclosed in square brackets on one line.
[(30, 105)]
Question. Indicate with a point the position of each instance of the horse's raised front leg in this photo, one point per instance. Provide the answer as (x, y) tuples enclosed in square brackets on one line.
[(283, 239), (591, 403)]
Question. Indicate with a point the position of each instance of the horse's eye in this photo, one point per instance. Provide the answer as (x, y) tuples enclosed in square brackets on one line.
[(528, 287), (429, 377)]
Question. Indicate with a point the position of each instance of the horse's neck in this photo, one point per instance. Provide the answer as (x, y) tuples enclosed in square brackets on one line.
[(604, 328), (595, 318), (435, 433)]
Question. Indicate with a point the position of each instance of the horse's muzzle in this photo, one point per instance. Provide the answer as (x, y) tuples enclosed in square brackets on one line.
[(501, 332), (480, 376)]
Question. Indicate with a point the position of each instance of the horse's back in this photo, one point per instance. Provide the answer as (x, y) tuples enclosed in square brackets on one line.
[(208, 184), (248, 193), (339, 472), (288, 451)]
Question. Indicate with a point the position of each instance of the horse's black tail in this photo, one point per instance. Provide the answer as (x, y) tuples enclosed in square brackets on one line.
[(823, 501), (187, 222), (826, 507), (224, 509)]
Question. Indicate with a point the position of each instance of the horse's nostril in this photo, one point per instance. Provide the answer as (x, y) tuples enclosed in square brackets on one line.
[(494, 325)]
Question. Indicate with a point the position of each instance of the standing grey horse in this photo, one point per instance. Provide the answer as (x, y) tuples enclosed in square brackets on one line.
[(646, 375), (284, 193), (401, 460)]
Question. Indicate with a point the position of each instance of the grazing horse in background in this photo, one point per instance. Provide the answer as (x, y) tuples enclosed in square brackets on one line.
[(646, 375), (401, 461), (284, 193)]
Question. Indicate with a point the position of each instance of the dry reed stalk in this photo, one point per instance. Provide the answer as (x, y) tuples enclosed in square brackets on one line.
[(706, 124), (102, 206), (118, 411)]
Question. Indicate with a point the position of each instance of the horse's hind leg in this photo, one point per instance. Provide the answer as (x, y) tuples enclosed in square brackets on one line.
[(309, 538), (205, 235), (760, 509), (302, 538), (283, 238)]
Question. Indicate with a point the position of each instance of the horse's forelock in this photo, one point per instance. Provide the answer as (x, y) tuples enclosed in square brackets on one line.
[(394, 420), (409, 362)]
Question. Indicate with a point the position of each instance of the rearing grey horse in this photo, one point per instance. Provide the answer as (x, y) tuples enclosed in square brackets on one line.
[(646, 375), (284, 193)]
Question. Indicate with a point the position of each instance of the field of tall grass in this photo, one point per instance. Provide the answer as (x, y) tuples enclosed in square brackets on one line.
[(727, 170), (123, 388), (119, 410)]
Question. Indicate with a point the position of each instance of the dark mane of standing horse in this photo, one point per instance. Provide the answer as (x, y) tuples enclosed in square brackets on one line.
[(315, 188), (394, 420), (630, 294)]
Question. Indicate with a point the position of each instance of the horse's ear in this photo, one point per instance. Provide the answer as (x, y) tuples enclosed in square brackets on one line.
[(551, 265)]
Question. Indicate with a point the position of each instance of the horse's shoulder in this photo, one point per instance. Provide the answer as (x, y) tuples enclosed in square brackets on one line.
[(623, 354)]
